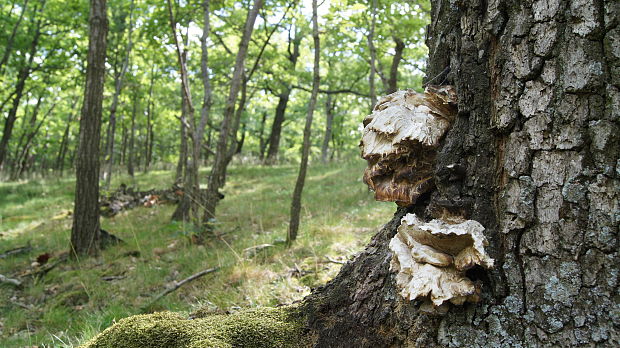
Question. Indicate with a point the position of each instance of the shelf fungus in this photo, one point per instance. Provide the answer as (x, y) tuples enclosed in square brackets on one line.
[(431, 259), (400, 141)]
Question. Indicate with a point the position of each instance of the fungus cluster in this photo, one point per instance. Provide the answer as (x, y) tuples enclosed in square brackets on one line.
[(400, 140), (431, 258)]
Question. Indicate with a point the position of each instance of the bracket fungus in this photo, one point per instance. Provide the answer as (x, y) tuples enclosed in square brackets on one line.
[(431, 259), (400, 140)]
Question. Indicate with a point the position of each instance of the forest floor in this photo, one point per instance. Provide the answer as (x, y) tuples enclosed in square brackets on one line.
[(77, 299)]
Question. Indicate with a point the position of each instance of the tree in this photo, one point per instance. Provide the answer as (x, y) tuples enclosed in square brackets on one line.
[(303, 166), (218, 171), (85, 233), (530, 155), (119, 77)]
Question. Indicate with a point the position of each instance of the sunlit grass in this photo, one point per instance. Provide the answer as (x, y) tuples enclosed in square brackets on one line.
[(72, 302)]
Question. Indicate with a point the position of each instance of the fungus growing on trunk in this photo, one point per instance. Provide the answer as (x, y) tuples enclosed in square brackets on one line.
[(431, 259), (400, 141)]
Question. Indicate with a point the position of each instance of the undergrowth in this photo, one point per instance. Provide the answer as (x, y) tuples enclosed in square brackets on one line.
[(78, 299)]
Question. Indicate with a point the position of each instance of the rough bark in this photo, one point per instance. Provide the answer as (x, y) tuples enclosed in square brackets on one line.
[(533, 156), (219, 166), (85, 233), (305, 150)]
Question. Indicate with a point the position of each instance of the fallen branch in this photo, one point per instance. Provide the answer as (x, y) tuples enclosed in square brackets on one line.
[(11, 281), (329, 259), (16, 251), (183, 282)]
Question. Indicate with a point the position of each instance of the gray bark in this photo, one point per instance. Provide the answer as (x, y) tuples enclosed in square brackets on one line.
[(85, 233), (305, 150), (533, 156)]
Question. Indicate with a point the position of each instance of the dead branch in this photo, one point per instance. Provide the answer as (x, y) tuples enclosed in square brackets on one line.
[(183, 282), (16, 251), (7, 280)]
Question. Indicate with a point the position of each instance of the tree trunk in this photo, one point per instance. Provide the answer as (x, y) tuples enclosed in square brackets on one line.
[(148, 143), (64, 143), (276, 127), (373, 55), (132, 132), (294, 41), (85, 233), (9, 43), (301, 178), (219, 165), (118, 86), (329, 120), (182, 162), (22, 77), (536, 141), (262, 144), (398, 56)]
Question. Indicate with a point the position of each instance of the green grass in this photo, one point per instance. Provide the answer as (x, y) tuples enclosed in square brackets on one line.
[(72, 303)]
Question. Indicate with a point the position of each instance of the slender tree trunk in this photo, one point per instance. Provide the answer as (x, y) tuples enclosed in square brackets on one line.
[(23, 75), (34, 128), (9, 43), (301, 178), (329, 120), (182, 162), (148, 143), (62, 151), (398, 56), (123, 142), (294, 41), (118, 86), (191, 202), (276, 127), (219, 166), (373, 54), (262, 144), (85, 233), (132, 133)]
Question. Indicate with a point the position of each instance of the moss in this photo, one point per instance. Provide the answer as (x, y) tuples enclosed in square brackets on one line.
[(267, 327)]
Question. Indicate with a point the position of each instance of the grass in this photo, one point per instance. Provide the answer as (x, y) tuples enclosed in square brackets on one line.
[(72, 303)]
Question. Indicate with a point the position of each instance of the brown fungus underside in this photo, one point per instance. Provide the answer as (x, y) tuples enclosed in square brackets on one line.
[(400, 140)]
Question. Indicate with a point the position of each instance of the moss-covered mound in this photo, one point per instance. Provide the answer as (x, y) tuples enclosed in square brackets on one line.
[(267, 327)]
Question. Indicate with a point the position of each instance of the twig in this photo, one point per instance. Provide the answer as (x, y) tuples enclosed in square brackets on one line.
[(329, 259), (16, 251), (111, 278), (11, 281), (183, 282)]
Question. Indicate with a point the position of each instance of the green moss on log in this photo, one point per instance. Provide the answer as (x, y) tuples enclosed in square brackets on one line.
[(257, 328)]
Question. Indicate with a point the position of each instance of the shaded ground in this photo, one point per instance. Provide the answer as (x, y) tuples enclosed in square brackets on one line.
[(76, 300)]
